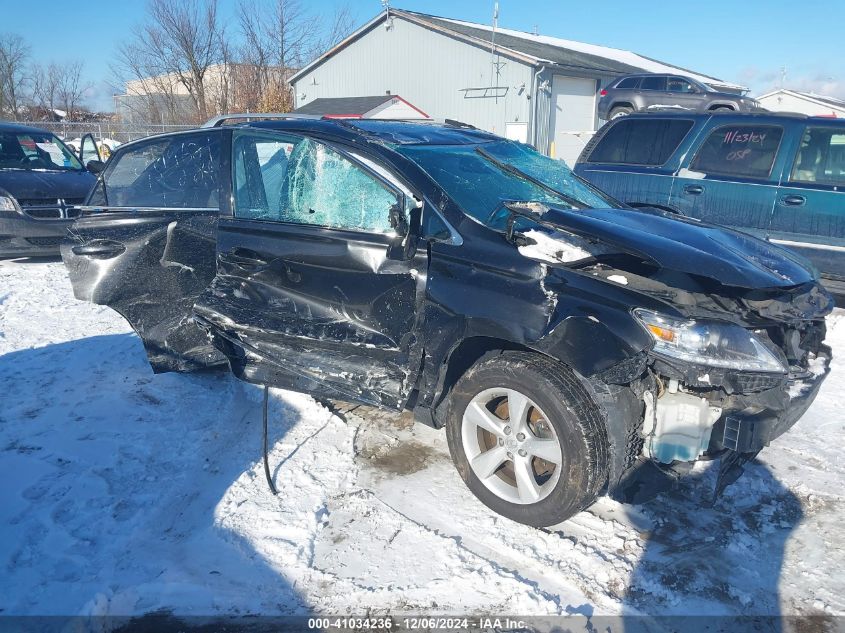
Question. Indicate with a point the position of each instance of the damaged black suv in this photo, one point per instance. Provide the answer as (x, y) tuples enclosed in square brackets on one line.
[(569, 345)]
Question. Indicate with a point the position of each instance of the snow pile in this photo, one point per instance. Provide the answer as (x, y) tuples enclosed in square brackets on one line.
[(555, 248), (127, 493)]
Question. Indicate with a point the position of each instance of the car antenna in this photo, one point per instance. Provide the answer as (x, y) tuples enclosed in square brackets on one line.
[(266, 459)]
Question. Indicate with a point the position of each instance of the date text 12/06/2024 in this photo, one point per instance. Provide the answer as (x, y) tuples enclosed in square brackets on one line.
[(414, 623)]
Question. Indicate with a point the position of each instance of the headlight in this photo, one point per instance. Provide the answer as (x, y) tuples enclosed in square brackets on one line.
[(7, 204), (713, 344)]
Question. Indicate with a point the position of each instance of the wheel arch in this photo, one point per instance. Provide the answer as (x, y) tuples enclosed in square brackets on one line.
[(719, 105), (469, 351), (463, 354)]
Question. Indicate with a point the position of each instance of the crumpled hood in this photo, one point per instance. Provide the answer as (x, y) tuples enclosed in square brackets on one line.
[(31, 184), (685, 245)]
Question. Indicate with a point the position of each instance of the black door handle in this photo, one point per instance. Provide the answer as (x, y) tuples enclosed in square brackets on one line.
[(694, 190), (794, 201), (248, 260), (100, 249)]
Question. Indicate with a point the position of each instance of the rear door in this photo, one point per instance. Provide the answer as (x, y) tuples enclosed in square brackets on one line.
[(311, 293), (635, 158), (146, 244), (731, 175), (809, 215), (652, 92)]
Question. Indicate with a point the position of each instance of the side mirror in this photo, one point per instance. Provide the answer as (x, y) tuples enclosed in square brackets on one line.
[(403, 246), (95, 166), (398, 220)]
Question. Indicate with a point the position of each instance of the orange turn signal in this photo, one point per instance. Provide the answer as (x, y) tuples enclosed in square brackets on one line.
[(661, 333)]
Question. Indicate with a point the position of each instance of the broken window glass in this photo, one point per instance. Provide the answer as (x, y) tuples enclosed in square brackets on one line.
[(553, 173), (299, 180), (178, 172), (480, 186)]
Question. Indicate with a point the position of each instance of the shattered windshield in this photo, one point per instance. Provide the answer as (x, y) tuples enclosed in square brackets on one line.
[(549, 171), (36, 150), (480, 177)]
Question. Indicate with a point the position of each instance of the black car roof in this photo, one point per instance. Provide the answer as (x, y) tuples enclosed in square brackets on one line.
[(386, 131), (9, 126)]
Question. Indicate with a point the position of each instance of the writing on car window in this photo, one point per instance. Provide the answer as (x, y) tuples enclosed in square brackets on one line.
[(739, 150)]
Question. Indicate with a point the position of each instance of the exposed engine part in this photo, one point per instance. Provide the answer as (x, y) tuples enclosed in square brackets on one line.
[(677, 425)]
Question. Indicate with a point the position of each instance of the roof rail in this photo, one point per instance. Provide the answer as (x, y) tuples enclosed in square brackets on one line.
[(218, 120)]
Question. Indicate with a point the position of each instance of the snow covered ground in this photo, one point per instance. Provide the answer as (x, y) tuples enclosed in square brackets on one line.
[(124, 493)]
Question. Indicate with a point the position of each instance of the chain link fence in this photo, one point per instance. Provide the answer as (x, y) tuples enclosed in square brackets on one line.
[(120, 132)]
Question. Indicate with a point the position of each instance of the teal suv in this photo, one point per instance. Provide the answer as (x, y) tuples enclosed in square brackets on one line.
[(777, 176)]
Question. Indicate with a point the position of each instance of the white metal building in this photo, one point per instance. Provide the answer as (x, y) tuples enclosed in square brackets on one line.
[(533, 88), (783, 100)]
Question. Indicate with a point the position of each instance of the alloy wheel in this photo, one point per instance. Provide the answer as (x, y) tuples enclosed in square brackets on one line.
[(511, 446)]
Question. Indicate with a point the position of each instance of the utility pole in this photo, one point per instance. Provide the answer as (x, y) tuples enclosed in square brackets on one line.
[(495, 68)]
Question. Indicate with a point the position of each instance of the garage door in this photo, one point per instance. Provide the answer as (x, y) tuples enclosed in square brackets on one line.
[(573, 115)]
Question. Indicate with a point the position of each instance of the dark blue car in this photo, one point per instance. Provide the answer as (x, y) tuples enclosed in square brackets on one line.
[(42, 184), (776, 176)]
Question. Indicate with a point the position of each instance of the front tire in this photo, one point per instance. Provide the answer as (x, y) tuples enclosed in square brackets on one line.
[(527, 438)]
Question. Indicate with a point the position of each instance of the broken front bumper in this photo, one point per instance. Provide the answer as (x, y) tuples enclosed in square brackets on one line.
[(748, 431), (748, 421), (21, 235)]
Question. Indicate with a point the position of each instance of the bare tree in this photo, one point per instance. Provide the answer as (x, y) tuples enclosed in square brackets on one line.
[(60, 87), (71, 88), (181, 55), (338, 27), (176, 50), (14, 57), (277, 37), (45, 85), (280, 37)]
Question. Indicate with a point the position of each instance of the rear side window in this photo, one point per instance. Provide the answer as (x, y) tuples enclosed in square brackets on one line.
[(821, 158), (628, 83), (176, 172), (653, 83), (746, 151), (641, 141)]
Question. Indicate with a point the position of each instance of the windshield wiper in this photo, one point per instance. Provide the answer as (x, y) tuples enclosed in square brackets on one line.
[(510, 169)]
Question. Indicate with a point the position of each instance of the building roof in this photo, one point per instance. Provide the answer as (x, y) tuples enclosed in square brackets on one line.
[(343, 106), (533, 49), (831, 102)]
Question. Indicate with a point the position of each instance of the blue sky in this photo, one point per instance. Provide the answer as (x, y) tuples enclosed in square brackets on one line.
[(745, 41)]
